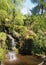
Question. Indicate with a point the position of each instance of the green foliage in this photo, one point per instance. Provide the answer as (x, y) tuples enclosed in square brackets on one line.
[(16, 50), (25, 28), (40, 44), (19, 19), (2, 36), (2, 40), (10, 15), (2, 55), (37, 23), (2, 46), (39, 26)]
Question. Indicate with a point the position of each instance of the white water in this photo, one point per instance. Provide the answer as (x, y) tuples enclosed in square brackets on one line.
[(12, 40), (11, 54)]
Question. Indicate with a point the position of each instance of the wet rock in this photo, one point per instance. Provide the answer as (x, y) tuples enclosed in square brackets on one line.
[(44, 61)]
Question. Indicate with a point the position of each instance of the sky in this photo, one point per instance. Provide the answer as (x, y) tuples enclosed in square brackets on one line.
[(27, 5)]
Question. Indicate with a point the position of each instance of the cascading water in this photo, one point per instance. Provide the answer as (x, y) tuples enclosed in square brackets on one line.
[(11, 54)]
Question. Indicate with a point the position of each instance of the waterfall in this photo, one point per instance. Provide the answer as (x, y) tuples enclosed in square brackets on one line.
[(11, 55), (13, 42)]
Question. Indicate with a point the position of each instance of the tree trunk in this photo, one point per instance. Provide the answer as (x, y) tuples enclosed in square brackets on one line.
[(42, 9)]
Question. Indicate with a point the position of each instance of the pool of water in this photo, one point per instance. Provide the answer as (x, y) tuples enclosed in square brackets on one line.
[(24, 60)]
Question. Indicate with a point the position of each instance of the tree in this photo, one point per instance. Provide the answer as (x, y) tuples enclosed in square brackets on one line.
[(10, 14), (41, 6)]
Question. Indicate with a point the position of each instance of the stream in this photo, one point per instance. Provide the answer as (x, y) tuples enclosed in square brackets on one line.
[(11, 55), (13, 59)]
